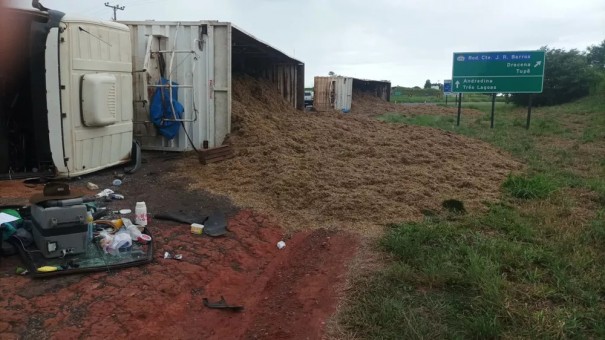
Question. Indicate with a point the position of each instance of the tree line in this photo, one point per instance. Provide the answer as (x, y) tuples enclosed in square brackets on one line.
[(569, 75)]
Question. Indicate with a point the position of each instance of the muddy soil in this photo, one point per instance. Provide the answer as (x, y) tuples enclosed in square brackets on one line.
[(287, 293)]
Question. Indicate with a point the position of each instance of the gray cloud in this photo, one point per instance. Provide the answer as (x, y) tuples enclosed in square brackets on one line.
[(404, 41)]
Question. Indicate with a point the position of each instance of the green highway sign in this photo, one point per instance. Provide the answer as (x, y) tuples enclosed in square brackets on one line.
[(493, 72)]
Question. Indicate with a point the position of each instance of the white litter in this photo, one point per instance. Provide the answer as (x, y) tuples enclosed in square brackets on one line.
[(92, 186), (104, 193)]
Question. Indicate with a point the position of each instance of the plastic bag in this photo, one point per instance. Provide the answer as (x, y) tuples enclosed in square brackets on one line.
[(105, 241), (134, 232), (121, 240), (111, 244)]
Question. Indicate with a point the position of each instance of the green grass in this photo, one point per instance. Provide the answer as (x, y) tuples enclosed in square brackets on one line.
[(538, 186), (482, 277), (532, 266), (438, 97)]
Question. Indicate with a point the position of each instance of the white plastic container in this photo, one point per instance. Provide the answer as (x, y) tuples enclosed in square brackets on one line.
[(140, 212), (197, 229)]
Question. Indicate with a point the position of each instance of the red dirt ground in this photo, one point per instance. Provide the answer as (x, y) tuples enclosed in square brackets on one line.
[(287, 293)]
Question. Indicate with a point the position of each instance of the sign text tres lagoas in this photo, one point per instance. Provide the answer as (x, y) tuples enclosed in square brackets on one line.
[(493, 72)]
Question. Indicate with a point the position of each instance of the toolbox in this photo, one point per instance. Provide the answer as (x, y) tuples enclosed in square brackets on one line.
[(60, 230)]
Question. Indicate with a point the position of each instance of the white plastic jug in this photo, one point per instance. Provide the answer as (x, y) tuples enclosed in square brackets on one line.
[(140, 212)]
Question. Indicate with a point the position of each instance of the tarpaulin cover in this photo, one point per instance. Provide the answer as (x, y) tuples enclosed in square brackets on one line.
[(162, 109)]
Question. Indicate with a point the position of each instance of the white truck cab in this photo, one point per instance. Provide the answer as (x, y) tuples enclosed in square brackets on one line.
[(65, 94)]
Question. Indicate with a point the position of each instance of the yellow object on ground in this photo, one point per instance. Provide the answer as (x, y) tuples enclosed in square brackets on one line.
[(46, 269), (197, 228)]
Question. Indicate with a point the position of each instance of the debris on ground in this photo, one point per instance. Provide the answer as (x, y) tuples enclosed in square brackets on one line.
[(92, 186), (243, 266), (62, 230), (222, 304), (116, 196), (281, 245), (346, 171), (104, 193), (213, 225), (140, 212), (168, 255), (197, 228)]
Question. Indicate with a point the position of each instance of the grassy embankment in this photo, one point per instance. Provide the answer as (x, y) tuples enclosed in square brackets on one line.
[(412, 95), (532, 266)]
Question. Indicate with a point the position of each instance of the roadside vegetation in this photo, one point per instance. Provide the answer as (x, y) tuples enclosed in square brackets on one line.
[(411, 95), (532, 266)]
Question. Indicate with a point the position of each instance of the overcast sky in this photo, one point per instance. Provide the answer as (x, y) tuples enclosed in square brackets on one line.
[(403, 41)]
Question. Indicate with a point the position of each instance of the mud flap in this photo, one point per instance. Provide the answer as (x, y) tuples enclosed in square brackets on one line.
[(214, 225), (135, 158)]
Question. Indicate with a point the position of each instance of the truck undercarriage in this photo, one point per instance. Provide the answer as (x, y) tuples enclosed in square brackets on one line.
[(24, 143)]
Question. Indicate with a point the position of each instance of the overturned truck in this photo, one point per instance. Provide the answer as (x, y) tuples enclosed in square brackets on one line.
[(65, 94), (194, 61), (75, 94)]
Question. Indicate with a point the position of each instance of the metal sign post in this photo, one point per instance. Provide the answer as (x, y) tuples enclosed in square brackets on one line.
[(459, 107), (529, 111), (491, 125)]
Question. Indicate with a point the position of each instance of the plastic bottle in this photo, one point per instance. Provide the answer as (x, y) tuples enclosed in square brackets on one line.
[(140, 212), (89, 220)]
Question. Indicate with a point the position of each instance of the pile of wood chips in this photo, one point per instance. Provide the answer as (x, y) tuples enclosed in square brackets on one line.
[(311, 170)]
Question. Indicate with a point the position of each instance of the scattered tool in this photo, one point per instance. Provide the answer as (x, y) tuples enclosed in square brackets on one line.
[(222, 304), (46, 269), (214, 225)]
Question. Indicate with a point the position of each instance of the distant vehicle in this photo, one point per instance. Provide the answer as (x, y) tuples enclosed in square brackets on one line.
[(308, 98)]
